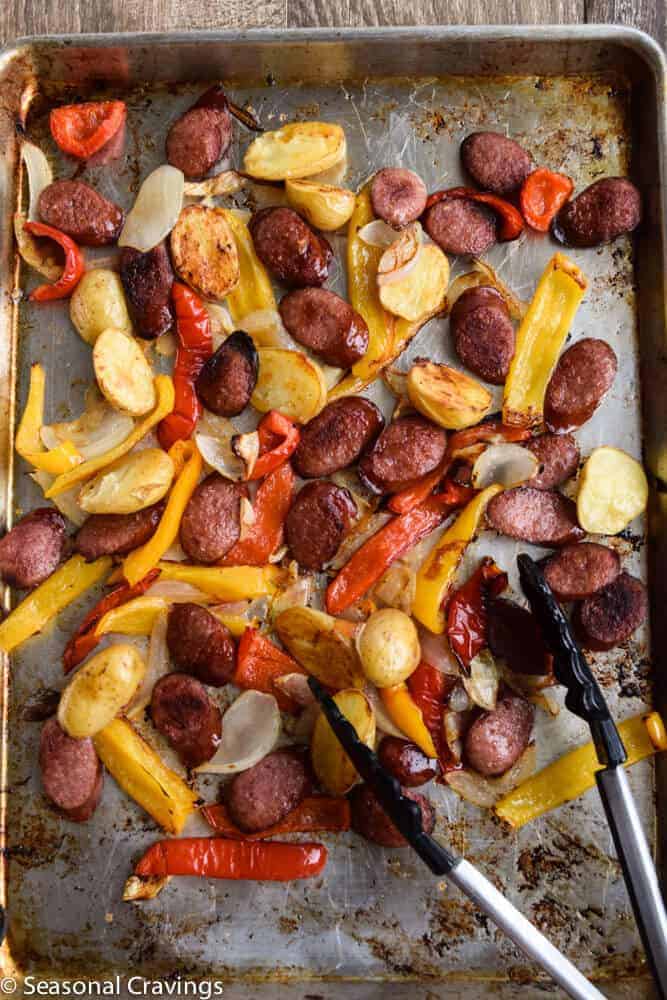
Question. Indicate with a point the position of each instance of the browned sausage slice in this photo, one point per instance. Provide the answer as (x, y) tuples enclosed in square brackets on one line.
[(497, 739), (289, 248), (337, 436), (558, 455), (117, 534), (201, 645), (266, 793), (495, 162), (77, 209), (72, 774), (515, 636), (578, 571), (227, 380), (581, 379), (542, 517), (147, 279), (197, 140), (211, 522), (407, 449), (34, 548), (398, 196), (483, 334), (461, 226), (406, 762), (611, 615), (371, 821), (317, 522), (606, 209), (185, 715), (326, 324)]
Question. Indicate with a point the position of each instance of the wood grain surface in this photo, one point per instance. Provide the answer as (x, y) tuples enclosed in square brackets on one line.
[(34, 17)]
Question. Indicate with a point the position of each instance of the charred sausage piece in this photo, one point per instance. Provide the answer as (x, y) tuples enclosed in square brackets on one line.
[(200, 645), (578, 571), (542, 517), (371, 821), (117, 534), (461, 226), (611, 615), (227, 380), (72, 774), (606, 209), (483, 334), (337, 436), (558, 455), (582, 377), (147, 279), (515, 636), (317, 522), (185, 715), (266, 793), (326, 324), (34, 548), (407, 449), (398, 196), (197, 140), (496, 740), (495, 162), (77, 209), (406, 762), (211, 522), (289, 248)]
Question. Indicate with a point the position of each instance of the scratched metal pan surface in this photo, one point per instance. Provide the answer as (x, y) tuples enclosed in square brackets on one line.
[(589, 102)]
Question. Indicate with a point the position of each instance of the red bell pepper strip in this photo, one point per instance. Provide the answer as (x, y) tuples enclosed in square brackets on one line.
[(259, 662), (429, 689), (466, 611), (215, 857), (509, 218), (72, 269), (84, 639), (278, 438), (271, 506), (195, 346), (492, 431), (454, 494), (316, 814), (407, 499), (83, 129), (542, 195)]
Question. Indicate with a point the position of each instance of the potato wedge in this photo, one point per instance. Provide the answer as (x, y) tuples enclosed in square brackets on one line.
[(98, 304), (613, 491), (331, 764), (133, 482), (299, 149), (123, 374), (204, 253), (324, 206), (447, 396), (99, 690), (290, 382), (388, 647), (423, 289), (322, 645)]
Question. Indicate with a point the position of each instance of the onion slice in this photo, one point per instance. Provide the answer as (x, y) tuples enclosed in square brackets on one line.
[(436, 652), (505, 464), (155, 211), (176, 592), (485, 792), (157, 665), (97, 430), (295, 686), (377, 234), (226, 182), (250, 730), (214, 438), (40, 176), (484, 680), (65, 502), (400, 257)]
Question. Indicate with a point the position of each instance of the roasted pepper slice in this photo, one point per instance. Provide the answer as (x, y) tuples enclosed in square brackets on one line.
[(259, 662), (28, 441), (195, 346), (136, 617), (227, 583), (466, 610), (316, 814), (83, 129), (278, 440), (271, 507), (542, 196), (254, 291), (215, 857), (404, 713), (73, 267)]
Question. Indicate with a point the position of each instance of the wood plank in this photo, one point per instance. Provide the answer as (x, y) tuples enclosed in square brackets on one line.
[(649, 15), (361, 13)]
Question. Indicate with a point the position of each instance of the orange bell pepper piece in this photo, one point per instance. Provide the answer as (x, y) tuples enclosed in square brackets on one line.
[(404, 713), (259, 662), (271, 506)]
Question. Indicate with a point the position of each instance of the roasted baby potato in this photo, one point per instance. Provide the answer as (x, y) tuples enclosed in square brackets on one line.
[(324, 206), (290, 382), (322, 644), (204, 253), (421, 291), (98, 304), (331, 765), (135, 481), (99, 690), (613, 491), (447, 396), (388, 647), (299, 149), (123, 373)]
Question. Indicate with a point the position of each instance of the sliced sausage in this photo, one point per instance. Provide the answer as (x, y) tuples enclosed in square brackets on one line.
[(197, 140), (578, 571), (117, 534), (461, 226), (266, 793), (407, 449), (558, 455), (337, 436), (496, 739), (72, 774), (77, 209), (398, 196), (289, 248), (604, 210), (514, 636), (200, 645), (211, 522), (483, 334), (582, 377), (495, 162), (326, 324), (406, 762), (185, 715), (611, 615), (371, 821), (147, 280), (34, 548), (542, 517), (317, 522), (227, 380)]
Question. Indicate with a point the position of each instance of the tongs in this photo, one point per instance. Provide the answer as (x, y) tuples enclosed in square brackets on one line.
[(585, 699), (406, 815)]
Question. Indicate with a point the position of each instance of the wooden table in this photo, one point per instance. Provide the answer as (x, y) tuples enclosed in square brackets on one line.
[(21, 17)]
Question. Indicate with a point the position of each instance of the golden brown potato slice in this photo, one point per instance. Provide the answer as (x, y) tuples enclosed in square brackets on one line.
[(332, 766), (204, 253)]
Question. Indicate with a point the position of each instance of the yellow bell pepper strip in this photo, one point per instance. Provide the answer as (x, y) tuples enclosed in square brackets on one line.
[(236, 624), (188, 465), (136, 617), (227, 583), (164, 388), (146, 779), (539, 340), (28, 441), (68, 582), (574, 773), (253, 291), (404, 713), (436, 574)]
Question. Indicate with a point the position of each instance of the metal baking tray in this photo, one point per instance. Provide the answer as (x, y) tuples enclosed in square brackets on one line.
[(589, 101)]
